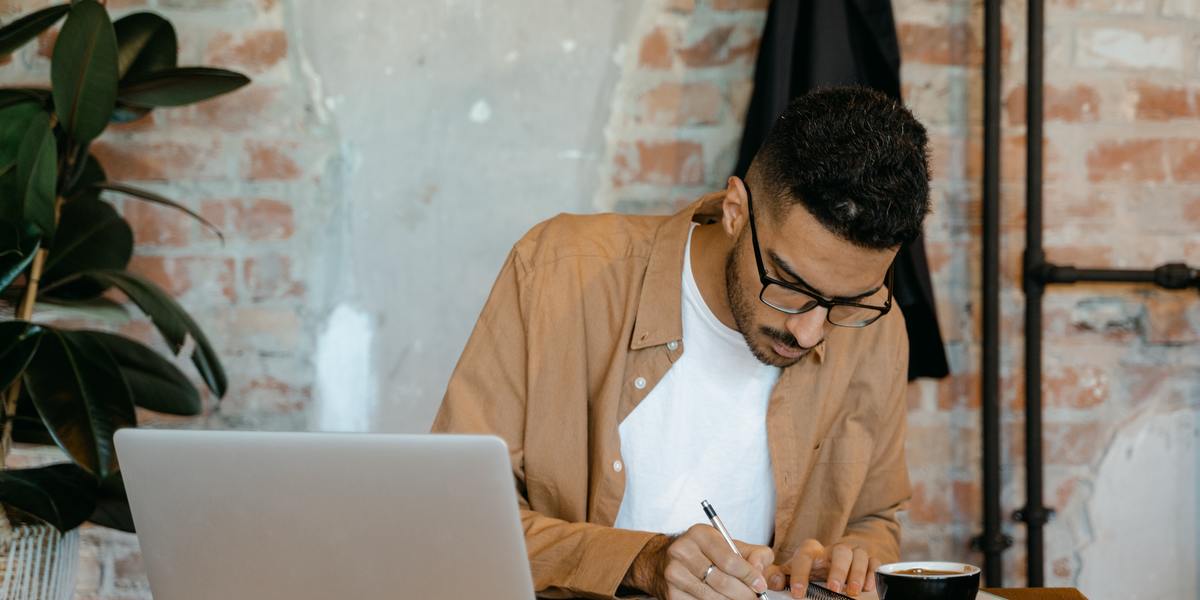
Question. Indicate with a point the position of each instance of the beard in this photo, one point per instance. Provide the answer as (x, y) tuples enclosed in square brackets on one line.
[(743, 307)]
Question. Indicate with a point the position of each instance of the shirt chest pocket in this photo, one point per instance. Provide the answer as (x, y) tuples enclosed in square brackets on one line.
[(843, 450)]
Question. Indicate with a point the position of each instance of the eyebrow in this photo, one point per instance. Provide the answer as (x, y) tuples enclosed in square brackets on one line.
[(787, 269)]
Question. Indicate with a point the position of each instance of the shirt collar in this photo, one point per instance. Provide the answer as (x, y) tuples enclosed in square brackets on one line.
[(658, 318)]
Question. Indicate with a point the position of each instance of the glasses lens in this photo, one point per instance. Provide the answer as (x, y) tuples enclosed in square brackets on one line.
[(789, 301), (853, 316)]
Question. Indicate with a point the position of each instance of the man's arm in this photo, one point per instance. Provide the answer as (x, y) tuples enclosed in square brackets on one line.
[(873, 524), (487, 394)]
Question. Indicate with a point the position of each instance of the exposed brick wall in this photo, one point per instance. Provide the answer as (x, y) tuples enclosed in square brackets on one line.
[(1122, 189), (254, 164), (1122, 105)]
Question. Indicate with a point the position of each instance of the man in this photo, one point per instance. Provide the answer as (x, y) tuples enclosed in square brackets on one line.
[(743, 351)]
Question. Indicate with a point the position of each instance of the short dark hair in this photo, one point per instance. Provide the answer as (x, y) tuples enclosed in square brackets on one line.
[(855, 158)]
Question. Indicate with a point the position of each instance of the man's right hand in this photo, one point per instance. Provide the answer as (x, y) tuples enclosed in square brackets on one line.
[(674, 568)]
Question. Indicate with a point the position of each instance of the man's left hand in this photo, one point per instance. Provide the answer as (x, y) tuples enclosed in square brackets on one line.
[(845, 568)]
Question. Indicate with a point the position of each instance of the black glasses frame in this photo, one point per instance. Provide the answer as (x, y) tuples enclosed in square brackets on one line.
[(818, 300)]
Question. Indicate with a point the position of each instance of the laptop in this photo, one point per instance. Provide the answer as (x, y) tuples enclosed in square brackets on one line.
[(312, 516)]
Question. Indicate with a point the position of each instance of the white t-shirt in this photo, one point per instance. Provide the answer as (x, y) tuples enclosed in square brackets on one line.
[(701, 434)]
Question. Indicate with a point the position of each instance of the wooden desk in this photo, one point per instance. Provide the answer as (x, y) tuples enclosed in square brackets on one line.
[(1039, 594)]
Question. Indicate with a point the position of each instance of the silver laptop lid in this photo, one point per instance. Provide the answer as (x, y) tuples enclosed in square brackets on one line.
[(232, 515)]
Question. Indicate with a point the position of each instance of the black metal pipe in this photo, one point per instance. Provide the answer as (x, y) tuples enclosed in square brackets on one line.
[(993, 542), (1033, 514), (1175, 276)]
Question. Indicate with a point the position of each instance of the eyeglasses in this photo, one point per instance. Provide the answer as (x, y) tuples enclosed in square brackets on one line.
[(793, 299)]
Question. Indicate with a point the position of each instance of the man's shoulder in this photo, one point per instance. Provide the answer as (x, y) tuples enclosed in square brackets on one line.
[(603, 236)]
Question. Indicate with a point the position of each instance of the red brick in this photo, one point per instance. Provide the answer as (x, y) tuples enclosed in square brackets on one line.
[(1162, 103), (681, 6), (959, 390), (268, 277), (158, 161), (1078, 103), (1172, 317), (677, 104), (951, 44), (1133, 161), (1072, 443), (1191, 211), (929, 504), (240, 111), (1075, 386), (740, 4), (1184, 158), (269, 160), (258, 220), (968, 500), (45, 42), (155, 225), (668, 162), (253, 51), (179, 275), (655, 52), (721, 46)]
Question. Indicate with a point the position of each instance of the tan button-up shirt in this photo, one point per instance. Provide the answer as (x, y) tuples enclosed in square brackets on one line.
[(583, 322)]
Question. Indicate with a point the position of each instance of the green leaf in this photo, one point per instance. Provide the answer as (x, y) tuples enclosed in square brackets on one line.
[(91, 235), (172, 322), (18, 343), (14, 124), (19, 32), (37, 173), (79, 392), (155, 383), (62, 495), (83, 71), (157, 199), (13, 96), (112, 505), (90, 173), (146, 43), (28, 427), (17, 254), (179, 87)]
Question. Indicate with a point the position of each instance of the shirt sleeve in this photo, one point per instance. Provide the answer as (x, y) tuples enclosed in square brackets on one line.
[(487, 395), (873, 523)]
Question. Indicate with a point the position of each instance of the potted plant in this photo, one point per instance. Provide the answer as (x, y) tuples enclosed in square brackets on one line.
[(61, 242)]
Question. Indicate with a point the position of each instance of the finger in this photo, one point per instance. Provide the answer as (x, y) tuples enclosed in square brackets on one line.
[(873, 566), (730, 587), (759, 556), (719, 553), (683, 584), (776, 577), (841, 556), (801, 566), (858, 572)]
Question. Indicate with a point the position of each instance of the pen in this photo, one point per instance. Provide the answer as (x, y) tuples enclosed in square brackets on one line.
[(716, 522)]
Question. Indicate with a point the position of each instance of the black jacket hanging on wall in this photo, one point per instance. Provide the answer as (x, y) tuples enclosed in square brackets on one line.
[(841, 42)]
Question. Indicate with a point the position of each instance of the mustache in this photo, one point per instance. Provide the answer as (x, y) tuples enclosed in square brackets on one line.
[(782, 337)]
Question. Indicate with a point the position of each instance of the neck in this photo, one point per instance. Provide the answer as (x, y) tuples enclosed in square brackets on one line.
[(710, 250)]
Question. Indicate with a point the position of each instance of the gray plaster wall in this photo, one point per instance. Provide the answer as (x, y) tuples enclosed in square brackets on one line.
[(463, 123)]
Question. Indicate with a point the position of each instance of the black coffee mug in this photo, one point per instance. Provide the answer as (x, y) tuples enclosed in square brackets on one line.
[(927, 581)]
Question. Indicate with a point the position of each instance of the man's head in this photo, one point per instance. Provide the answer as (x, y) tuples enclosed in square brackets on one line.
[(841, 182)]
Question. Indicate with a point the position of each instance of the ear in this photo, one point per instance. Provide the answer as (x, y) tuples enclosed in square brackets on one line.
[(735, 211)]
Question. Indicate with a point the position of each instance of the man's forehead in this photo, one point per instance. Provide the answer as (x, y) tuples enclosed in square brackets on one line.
[(827, 262)]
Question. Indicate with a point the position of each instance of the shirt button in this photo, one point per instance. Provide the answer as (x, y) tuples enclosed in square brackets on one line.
[(617, 466), (639, 383), (672, 345)]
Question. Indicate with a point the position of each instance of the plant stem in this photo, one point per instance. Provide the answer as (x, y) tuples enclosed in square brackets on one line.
[(24, 313)]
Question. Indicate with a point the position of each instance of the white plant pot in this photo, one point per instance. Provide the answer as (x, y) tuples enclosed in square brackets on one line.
[(38, 563)]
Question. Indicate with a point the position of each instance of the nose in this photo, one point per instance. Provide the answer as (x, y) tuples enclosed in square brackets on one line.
[(808, 328)]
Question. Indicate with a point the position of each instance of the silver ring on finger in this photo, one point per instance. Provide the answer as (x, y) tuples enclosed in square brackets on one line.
[(707, 572)]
